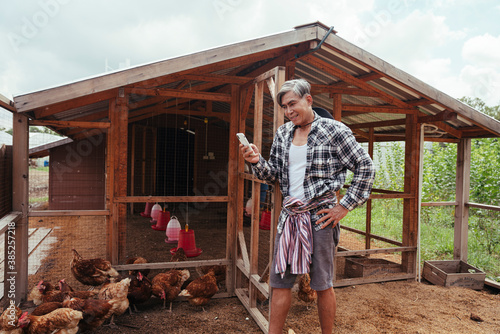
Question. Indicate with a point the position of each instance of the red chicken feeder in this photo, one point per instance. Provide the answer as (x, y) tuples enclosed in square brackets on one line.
[(187, 242), (147, 210), (161, 223), (265, 220)]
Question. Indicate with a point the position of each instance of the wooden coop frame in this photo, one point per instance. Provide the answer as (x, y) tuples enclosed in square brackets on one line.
[(376, 100)]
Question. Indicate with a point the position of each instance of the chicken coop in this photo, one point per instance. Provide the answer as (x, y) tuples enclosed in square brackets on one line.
[(165, 133)]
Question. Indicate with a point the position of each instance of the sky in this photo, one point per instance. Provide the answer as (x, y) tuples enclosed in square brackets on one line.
[(452, 45)]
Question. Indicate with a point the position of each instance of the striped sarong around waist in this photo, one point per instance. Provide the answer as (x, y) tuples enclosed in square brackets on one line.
[(296, 243)]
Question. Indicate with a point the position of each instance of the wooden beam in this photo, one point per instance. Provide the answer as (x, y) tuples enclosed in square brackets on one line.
[(379, 124), (483, 206), (334, 89), (67, 213), (419, 102), (79, 101), (337, 107), (180, 93), (218, 78), (462, 196), (439, 203), (364, 252), (368, 218), (171, 199), (171, 265), (233, 198), (7, 103), (378, 109), (18, 234), (372, 236), (373, 279), (410, 207), (71, 124), (257, 140), (445, 115)]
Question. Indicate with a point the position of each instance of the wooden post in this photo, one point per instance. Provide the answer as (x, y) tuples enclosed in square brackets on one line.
[(117, 169), (233, 190), (337, 107), (20, 202), (410, 210), (462, 198), (368, 220), (132, 166)]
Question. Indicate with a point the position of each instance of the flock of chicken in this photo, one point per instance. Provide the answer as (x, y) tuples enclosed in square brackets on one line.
[(61, 309)]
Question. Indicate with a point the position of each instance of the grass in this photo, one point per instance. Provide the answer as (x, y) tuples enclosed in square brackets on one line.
[(437, 233), (39, 199), (42, 169)]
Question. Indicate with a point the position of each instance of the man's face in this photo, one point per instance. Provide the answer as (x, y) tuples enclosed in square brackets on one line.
[(297, 109)]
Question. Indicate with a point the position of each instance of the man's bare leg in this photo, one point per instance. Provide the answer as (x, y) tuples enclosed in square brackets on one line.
[(327, 307), (280, 305)]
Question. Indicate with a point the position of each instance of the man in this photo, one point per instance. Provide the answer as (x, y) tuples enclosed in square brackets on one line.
[(309, 157)]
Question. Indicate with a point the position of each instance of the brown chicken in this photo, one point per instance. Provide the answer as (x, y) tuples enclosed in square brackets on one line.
[(201, 290), (116, 293), (9, 320), (179, 255), (167, 286), (139, 291), (45, 308), (94, 311), (219, 271), (45, 292), (135, 260), (91, 271), (61, 321), (67, 290), (305, 293)]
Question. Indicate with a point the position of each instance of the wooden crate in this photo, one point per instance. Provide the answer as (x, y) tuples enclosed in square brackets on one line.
[(454, 273), (362, 267)]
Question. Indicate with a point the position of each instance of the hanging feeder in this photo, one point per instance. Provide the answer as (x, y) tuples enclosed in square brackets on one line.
[(155, 212), (173, 229), (147, 210), (188, 243), (161, 223)]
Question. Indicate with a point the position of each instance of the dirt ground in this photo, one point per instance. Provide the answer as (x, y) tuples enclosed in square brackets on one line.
[(394, 307)]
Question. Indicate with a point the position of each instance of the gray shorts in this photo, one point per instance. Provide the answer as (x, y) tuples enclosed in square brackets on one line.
[(321, 270)]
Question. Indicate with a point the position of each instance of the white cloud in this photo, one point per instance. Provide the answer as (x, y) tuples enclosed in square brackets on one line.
[(413, 37), (483, 50), (482, 82)]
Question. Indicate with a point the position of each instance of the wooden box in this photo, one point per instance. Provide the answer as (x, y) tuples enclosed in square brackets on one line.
[(454, 273), (362, 267)]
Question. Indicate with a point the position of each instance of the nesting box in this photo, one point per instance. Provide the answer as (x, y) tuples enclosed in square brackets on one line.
[(454, 273), (363, 266)]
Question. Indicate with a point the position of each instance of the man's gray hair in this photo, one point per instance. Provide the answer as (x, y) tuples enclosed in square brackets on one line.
[(299, 86)]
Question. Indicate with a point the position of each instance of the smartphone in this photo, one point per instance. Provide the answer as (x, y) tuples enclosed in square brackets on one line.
[(243, 139)]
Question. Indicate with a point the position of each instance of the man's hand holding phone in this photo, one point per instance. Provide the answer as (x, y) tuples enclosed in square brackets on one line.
[(249, 151)]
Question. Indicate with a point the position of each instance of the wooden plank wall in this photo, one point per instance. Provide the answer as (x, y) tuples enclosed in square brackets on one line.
[(80, 164)]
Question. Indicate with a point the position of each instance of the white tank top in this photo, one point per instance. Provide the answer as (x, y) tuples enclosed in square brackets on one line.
[(297, 170)]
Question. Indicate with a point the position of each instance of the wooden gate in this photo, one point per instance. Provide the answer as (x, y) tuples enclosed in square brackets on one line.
[(249, 282)]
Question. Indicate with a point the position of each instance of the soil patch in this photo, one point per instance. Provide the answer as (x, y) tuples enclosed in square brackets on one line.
[(395, 307)]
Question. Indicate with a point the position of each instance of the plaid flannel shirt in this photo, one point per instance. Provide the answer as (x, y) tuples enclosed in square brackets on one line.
[(331, 151)]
